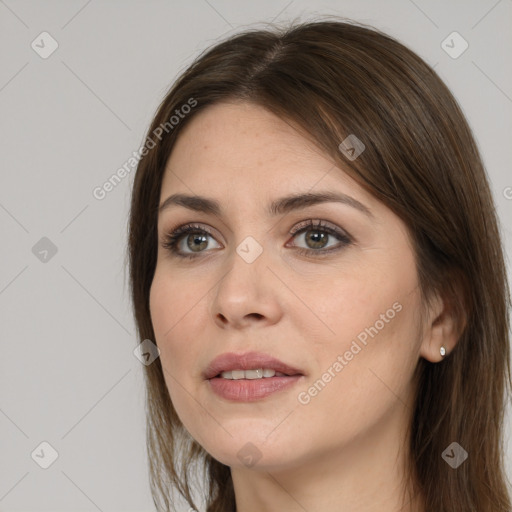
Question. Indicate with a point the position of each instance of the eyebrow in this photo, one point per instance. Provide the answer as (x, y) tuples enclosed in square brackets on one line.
[(278, 207)]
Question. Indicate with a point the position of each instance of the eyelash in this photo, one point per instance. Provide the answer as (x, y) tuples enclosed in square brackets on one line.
[(172, 239)]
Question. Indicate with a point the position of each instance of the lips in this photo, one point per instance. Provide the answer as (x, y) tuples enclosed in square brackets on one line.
[(230, 361), (227, 383)]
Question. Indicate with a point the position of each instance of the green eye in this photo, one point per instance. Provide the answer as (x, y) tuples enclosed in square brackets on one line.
[(315, 233)]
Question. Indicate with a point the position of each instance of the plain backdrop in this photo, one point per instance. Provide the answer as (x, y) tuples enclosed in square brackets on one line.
[(68, 121)]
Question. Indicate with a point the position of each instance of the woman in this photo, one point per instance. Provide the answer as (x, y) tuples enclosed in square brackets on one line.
[(314, 250)]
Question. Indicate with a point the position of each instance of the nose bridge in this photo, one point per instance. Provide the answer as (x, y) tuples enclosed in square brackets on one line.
[(247, 265), (245, 288)]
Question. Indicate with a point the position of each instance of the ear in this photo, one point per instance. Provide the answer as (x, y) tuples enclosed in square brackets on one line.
[(442, 328)]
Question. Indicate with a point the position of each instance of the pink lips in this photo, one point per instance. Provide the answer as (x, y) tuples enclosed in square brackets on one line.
[(254, 389)]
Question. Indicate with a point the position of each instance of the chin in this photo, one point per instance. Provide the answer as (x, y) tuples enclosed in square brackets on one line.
[(255, 452)]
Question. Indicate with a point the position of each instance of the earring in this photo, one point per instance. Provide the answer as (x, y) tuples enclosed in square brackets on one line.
[(442, 351)]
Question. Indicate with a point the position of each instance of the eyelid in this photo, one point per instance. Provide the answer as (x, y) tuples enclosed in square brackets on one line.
[(315, 223), (191, 226), (174, 237), (334, 231), (319, 224), (181, 230)]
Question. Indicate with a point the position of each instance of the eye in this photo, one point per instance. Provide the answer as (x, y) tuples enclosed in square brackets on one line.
[(190, 240), (195, 237), (315, 235)]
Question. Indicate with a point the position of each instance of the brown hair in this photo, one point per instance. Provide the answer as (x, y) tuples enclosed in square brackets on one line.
[(331, 79)]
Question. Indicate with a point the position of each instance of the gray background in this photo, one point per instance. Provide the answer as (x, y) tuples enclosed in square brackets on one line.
[(68, 122)]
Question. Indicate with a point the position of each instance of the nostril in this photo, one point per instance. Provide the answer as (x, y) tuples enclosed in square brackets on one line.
[(223, 319)]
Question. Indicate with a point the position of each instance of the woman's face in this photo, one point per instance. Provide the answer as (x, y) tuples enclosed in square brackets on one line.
[(338, 304)]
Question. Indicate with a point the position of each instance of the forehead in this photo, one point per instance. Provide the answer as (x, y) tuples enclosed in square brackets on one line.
[(243, 146)]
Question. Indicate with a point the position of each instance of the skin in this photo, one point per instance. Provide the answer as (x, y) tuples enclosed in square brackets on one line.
[(345, 449)]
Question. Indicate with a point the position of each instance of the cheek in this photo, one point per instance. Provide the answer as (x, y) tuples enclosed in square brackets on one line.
[(173, 319), (374, 319), (375, 295), (173, 316), (356, 305), (358, 383), (171, 301)]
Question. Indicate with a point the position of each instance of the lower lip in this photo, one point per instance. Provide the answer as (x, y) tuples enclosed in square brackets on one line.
[(249, 390)]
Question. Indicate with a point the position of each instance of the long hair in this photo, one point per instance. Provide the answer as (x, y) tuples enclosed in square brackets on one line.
[(332, 79)]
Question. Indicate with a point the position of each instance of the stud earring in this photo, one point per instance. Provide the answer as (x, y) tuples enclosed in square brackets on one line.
[(442, 351)]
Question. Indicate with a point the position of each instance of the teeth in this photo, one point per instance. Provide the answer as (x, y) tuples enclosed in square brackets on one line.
[(257, 373), (253, 374)]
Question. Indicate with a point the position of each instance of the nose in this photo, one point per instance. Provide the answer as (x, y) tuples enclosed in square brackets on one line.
[(247, 295)]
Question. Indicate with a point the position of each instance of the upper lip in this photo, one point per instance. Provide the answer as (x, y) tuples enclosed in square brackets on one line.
[(247, 361)]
